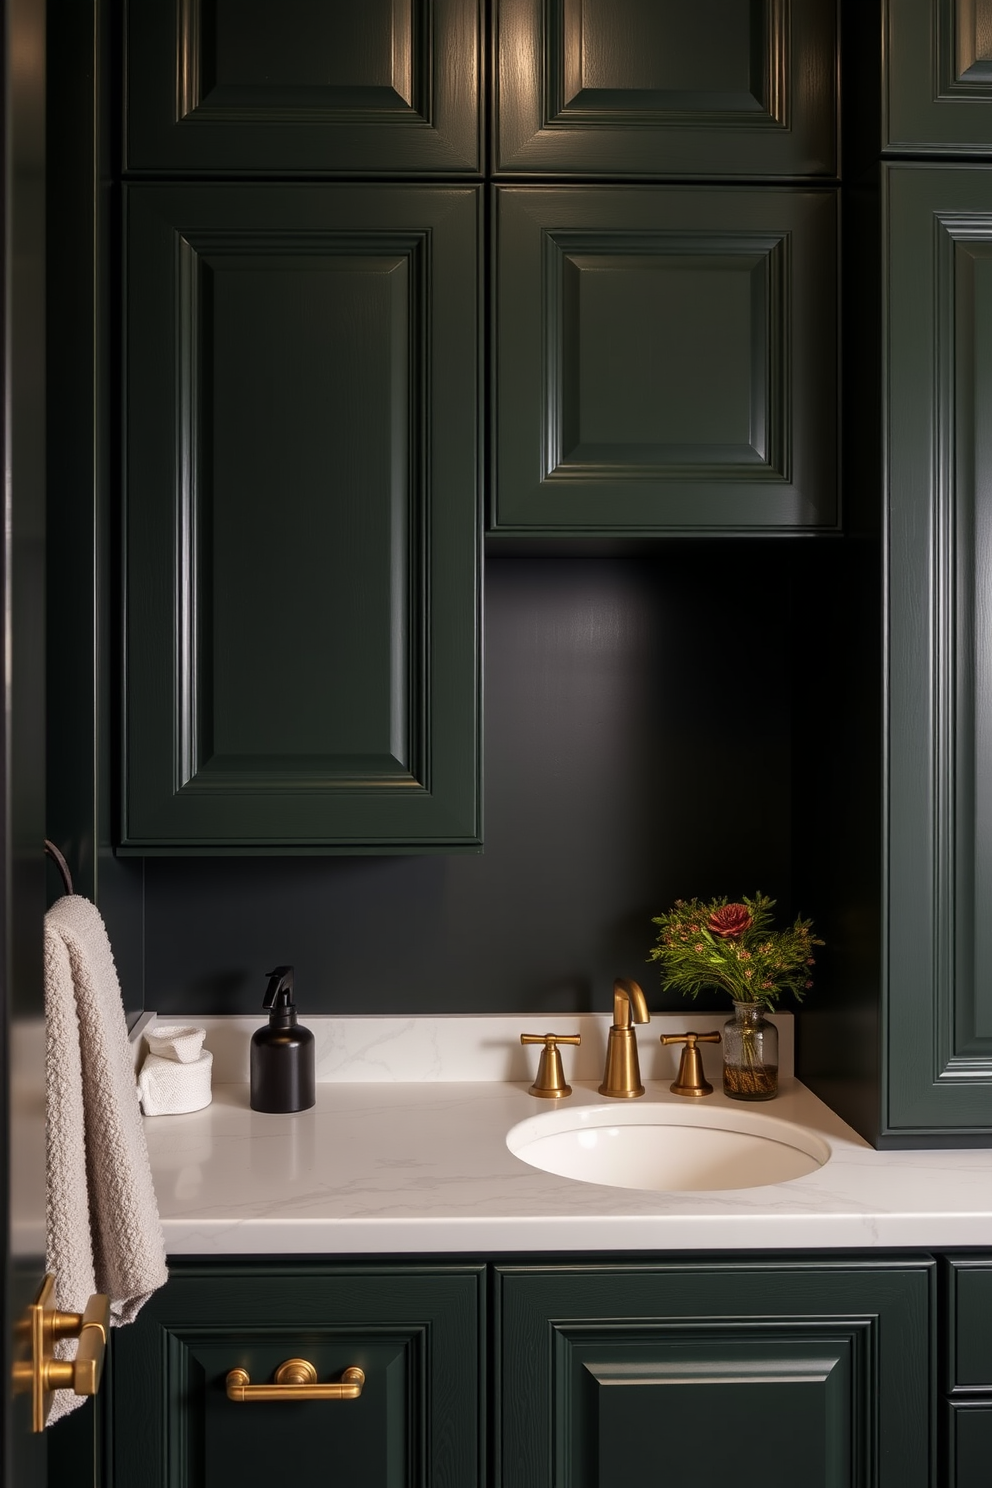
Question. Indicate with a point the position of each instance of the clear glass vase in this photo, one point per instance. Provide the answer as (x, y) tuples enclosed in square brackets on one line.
[(750, 1054)]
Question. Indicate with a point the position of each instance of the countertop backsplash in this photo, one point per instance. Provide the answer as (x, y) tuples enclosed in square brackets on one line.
[(456, 1048)]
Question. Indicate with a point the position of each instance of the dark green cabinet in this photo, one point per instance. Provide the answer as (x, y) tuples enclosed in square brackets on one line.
[(968, 1305), (302, 518), (937, 86), (968, 1370), (763, 1373), (633, 88), (938, 341), (666, 359), (754, 1371), (303, 420), (969, 1438), (630, 88), (304, 87), (825, 1370), (415, 1333)]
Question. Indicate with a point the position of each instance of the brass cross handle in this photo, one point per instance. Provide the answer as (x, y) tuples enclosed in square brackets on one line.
[(550, 1079), (295, 1379), (42, 1328), (691, 1080)]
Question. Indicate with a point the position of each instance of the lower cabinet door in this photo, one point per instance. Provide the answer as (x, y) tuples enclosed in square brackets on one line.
[(968, 1332), (414, 1333), (770, 1375), (969, 1444)]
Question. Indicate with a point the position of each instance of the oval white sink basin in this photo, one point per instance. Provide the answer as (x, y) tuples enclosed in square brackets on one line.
[(667, 1147)]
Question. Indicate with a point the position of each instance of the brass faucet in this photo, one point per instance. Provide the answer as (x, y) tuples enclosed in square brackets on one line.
[(622, 1077)]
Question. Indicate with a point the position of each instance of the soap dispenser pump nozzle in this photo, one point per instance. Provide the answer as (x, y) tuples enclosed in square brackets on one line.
[(278, 1000)]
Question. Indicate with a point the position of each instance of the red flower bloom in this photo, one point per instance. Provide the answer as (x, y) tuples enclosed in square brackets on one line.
[(730, 922)]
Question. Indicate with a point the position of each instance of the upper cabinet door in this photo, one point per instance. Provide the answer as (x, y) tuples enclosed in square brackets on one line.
[(301, 667), (938, 342), (937, 64), (303, 86), (666, 359), (666, 88)]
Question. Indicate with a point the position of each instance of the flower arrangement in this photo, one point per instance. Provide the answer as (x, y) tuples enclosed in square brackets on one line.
[(730, 945)]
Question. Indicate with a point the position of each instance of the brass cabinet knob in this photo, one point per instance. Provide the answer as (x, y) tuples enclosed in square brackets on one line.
[(550, 1079), (295, 1379), (691, 1080), (43, 1327)]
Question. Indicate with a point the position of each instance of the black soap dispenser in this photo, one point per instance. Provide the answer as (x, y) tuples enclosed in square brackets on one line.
[(282, 1062)]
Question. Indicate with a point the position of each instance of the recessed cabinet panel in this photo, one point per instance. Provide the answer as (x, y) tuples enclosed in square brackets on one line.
[(754, 1374), (939, 976), (666, 359), (658, 87), (416, 1424), (301, 551), (938, 77), (303, 87)]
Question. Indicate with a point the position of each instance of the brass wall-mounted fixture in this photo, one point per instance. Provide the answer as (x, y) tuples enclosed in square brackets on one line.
[(41, 1329), (622, 1077), (295, 1379), (691, 1080), (550, 1079)]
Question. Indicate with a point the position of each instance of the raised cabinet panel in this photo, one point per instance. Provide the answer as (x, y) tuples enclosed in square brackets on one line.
[(938, 988), (937, 96), (418, 1422), (303, 86), (660, 88), (301, 664), (665, 359), (755, 1374), (621, 1398)]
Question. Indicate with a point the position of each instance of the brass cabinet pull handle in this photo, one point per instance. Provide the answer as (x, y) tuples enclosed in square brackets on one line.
[(295, 1379), (43, 1373)]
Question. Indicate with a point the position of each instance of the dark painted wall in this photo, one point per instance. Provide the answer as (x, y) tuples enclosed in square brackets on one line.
[(639, 745)]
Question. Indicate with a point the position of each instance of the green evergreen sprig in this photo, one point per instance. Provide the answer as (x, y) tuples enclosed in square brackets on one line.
[(719, 943)]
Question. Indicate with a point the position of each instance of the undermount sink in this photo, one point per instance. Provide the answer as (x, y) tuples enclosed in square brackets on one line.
[(667, 1147)]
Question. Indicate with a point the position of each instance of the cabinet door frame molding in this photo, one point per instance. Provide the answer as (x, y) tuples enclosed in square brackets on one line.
[(404, 774)]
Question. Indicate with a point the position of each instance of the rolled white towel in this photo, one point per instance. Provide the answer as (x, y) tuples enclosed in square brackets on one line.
[(172, 1041), (168, 1088)]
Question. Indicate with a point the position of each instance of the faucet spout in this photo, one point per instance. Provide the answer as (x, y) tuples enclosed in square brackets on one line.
[(622, 1076), (629, 1003)]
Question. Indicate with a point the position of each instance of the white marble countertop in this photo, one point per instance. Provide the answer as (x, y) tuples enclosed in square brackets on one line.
[(422, 1167)]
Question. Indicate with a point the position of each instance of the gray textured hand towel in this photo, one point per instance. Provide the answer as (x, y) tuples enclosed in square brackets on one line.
[(103, 1227)]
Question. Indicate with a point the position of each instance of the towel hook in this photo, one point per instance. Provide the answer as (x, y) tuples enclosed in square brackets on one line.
[(61, 864)]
